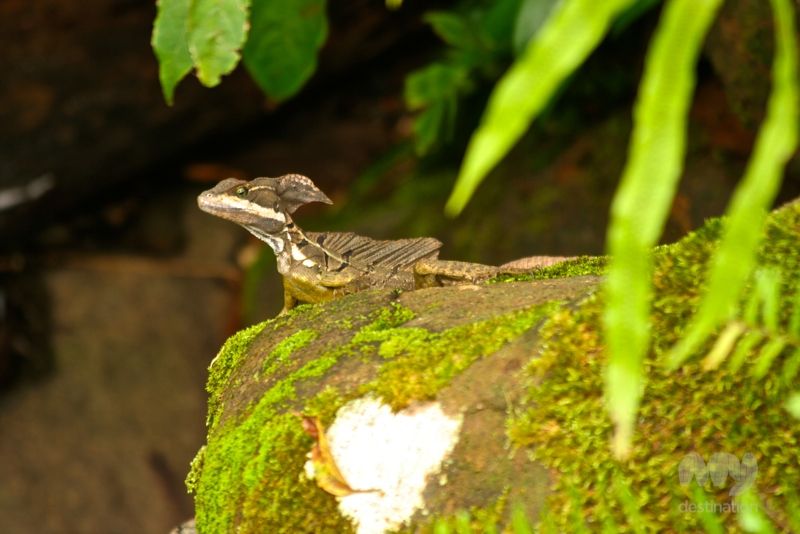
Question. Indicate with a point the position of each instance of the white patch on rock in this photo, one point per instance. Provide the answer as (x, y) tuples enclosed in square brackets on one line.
[(376, 449)]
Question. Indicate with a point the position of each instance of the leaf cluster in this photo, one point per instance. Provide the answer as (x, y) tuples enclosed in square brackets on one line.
[(768, 324), (480, 38), (277, 40)]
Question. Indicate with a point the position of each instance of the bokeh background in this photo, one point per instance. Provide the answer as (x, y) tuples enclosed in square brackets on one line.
[(116, 292)]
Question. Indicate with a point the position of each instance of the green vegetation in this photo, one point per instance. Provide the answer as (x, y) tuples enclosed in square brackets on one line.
[(643, 199), (283, 350), (480, 40), (583, 266), (697, 408), (571, 32), (225, 363), (256, 457), (419, 363), (278, 40), (475, 520), (733, 264)]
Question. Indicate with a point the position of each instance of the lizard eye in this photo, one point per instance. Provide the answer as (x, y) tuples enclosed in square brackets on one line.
[(241, 191)]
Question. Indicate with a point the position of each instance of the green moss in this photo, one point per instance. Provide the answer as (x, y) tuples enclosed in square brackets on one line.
[(225, 363), (394, 315), (283, 350), (420, 363), (195, 469), (247, 458), (257, 458), (326, 403), (582, 266), (564, 423), (477, 520)]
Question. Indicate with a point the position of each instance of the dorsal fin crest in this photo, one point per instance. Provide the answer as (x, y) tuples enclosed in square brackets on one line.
[(296, 190), (367, 254)]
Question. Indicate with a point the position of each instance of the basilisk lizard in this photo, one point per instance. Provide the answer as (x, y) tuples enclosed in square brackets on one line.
[(319, 266)]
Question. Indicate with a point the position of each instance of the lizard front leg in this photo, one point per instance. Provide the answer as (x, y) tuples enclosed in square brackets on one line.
[(289, 300), (308, 287)]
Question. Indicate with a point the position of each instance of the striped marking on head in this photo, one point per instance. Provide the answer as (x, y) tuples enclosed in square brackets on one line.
[(243, 204)]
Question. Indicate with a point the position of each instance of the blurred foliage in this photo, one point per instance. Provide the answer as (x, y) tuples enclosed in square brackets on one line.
[(479, 45), (777, 141), (278, 40), (572, 31), (644, 196), (297, 29), (768, 323)]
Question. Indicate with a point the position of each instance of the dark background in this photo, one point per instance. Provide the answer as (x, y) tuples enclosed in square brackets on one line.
[(116, 292)]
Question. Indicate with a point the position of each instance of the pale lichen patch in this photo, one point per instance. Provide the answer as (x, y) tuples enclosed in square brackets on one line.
[(393, 454)]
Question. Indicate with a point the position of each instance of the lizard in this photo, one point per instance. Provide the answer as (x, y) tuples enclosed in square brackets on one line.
[(319, 266)]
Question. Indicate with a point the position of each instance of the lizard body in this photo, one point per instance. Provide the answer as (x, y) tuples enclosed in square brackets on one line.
[(319, 266)]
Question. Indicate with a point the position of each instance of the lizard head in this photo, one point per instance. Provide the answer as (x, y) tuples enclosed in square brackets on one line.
[(262, 205)]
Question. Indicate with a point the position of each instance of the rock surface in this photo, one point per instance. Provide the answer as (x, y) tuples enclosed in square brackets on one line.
[(461, 346), (517, 367)]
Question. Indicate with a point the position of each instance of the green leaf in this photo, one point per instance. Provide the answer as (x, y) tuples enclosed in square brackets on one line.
[(217, 32), (498, 22), (170, 44), (743, 349), (520, 524), (723, 346), (793, 404), (767, 355), (427, 128), (577, 523), (452, 28), (768, 284), (436, 89), (439, 81), (793, 326), (569, 35), (791, 366), (631, 509), (752, 308), (281, 53), (531, 17), (708, 518), (643, 199), (777, 139), (751, 514)]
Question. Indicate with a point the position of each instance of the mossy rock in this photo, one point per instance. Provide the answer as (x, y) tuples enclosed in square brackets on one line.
[(519, 364)]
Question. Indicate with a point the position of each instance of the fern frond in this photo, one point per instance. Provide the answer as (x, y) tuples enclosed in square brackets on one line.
[(758, 328), (749, 342), (790, 368), (767, 355)]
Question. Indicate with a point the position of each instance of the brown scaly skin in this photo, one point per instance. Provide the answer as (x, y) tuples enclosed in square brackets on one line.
[(321, 266)]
